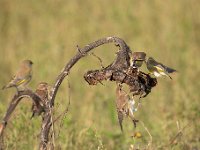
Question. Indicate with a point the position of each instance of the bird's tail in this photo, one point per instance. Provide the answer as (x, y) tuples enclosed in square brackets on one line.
[(6, 86), (170, 70)]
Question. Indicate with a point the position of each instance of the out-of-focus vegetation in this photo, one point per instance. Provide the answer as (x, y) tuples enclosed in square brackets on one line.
[(48, 31)]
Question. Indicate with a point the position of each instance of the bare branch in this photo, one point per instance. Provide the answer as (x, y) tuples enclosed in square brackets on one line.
[(52, 123), (44, 134)]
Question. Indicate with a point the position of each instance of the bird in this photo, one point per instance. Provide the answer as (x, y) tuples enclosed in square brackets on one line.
[(22, 76), (42, 91), (137, 59), (158, 69)]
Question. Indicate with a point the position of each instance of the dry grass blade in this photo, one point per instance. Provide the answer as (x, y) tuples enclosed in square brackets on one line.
[(150, 136), (179, 134), (64, 113)]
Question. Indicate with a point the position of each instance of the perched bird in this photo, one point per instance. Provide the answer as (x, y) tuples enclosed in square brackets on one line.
[(42, 91), (137, 59), (22, 77), (158, 69)]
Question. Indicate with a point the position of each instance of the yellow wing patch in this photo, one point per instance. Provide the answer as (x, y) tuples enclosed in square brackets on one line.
[(159, 69), (21, 81), (139, 59)]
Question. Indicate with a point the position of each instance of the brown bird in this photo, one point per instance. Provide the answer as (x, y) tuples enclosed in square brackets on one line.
[(22, 77), (137, 59), (42, 91)]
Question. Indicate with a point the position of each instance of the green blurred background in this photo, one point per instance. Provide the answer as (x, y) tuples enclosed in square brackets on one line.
[(48, 31)]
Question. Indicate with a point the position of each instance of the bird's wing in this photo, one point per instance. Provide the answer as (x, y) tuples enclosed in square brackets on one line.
[(169, 70), (17, 81), (21, 81), (23, 75), (160, 68)]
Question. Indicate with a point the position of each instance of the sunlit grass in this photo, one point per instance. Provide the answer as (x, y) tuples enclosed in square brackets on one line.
[(47, 32)]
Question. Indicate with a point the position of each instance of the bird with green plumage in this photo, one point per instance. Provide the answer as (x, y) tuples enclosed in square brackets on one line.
[(158, 69), (22, 76)]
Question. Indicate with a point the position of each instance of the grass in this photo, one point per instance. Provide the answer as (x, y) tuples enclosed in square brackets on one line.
[(47, 32)]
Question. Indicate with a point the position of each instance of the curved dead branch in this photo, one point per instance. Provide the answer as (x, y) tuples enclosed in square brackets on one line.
[(15, 101), (122, 61)]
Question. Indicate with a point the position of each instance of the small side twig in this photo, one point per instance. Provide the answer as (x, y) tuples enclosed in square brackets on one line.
[(100, 60)]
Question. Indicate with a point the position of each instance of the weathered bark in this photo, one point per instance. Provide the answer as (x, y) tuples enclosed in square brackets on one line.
[(139, 82), (45, 129)]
